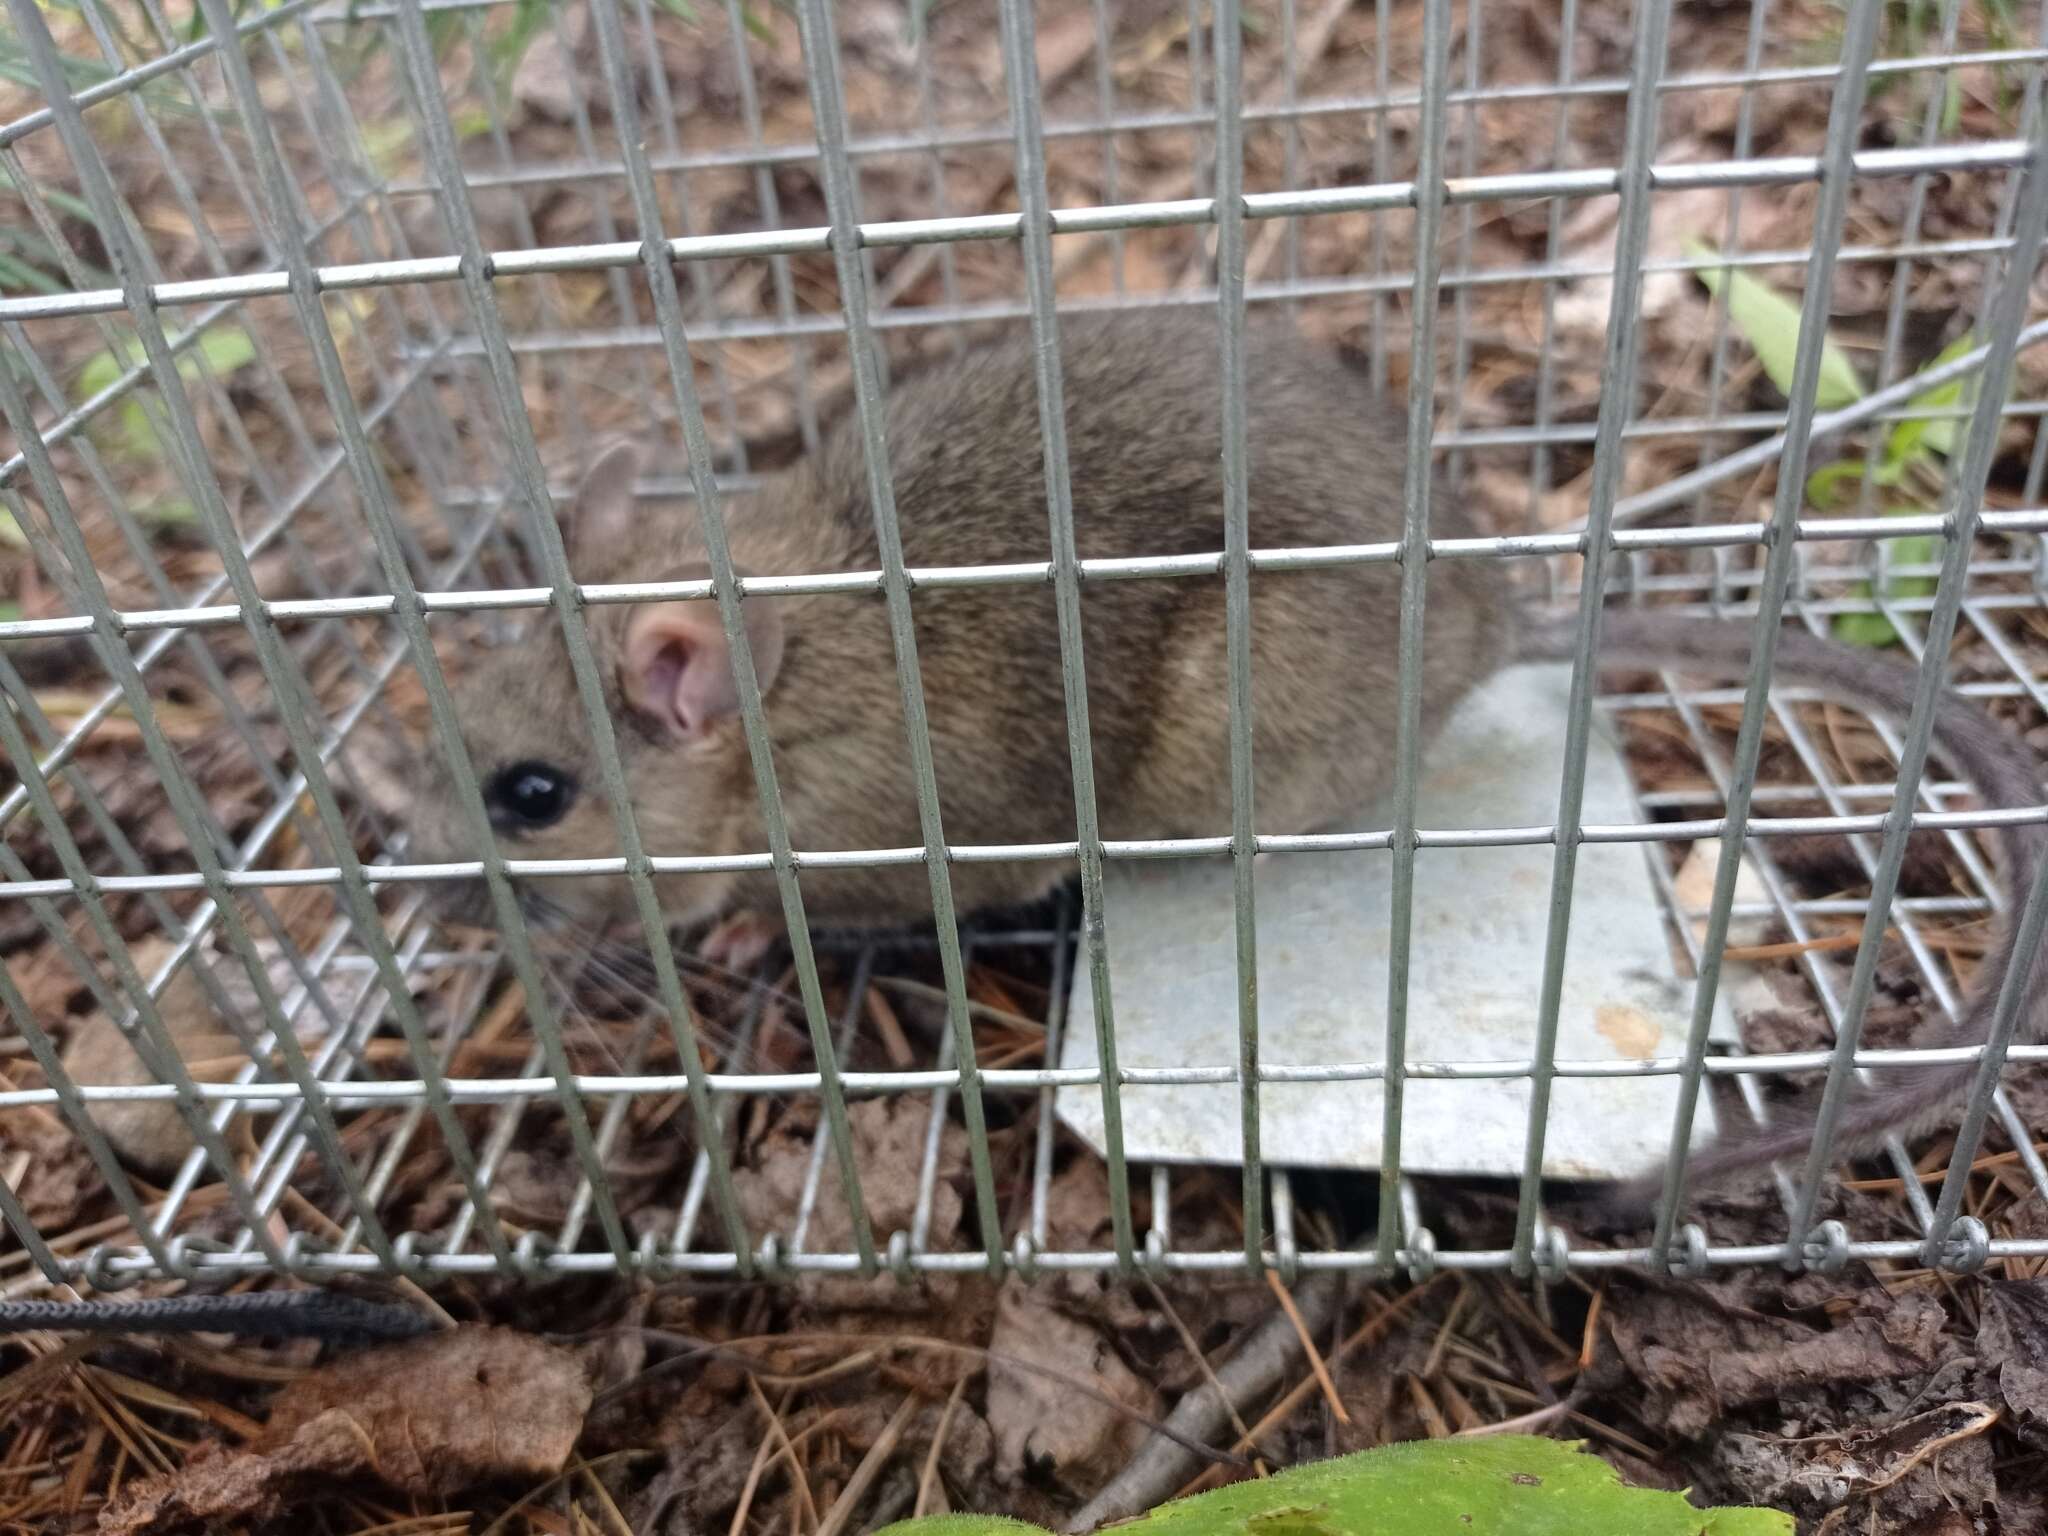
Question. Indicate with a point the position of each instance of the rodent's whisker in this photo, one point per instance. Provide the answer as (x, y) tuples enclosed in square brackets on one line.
[(618, 967)]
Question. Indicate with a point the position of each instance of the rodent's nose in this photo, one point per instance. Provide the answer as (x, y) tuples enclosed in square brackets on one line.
[(464, 901)]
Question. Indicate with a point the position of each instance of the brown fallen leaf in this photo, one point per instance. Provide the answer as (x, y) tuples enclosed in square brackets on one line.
[(888, 1147), (51, 1173), (428, 1417), (151, 1135), (2012, 1339), (1823, 1471), (1036, 1417), (1700, 1357)]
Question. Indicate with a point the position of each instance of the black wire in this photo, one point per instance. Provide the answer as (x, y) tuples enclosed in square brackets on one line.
[(258, 1314)]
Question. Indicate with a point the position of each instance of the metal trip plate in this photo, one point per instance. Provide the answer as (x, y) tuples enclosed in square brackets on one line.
[(1475, 976)]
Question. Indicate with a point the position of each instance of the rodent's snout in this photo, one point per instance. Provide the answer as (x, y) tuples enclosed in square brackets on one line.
[(434, 835), (463, 901)]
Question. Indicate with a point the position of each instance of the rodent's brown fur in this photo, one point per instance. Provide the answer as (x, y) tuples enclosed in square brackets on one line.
[(1144, 440), (1144, 447)]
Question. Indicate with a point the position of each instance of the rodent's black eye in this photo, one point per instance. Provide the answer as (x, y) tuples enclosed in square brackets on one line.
[(528, 796)]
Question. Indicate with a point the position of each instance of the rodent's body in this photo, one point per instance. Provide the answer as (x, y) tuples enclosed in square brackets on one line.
[(1144, 437), (1144, 444)]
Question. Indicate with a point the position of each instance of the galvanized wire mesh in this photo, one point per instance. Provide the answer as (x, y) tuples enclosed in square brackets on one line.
[(415, 374)]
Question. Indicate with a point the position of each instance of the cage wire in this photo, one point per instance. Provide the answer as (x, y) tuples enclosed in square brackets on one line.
[(298, 361)]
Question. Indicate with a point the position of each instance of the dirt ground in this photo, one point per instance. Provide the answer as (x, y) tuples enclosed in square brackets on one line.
[(1884, 1397)]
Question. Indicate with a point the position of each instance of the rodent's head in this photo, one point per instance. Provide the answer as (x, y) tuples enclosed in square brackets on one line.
[(666, 676)]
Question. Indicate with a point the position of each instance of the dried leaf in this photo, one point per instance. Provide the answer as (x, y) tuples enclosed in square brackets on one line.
[(542, 82), (2013, 1340), (151, 1135), (428, 1417), (888, 1147), (1815, 1472), (1700, 1357), (1036, 1417)]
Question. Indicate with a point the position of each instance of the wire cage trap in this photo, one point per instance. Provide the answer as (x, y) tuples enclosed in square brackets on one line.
[(313, 309)]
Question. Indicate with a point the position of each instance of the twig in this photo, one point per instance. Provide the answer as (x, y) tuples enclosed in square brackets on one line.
[(1785, 951), (1521, 1423), (1455, 1311), (1161, 1462), (870, 1468), (735, 1349), (1187, 1340), (1589, 1344), (1426, 1409), (613, 1514), (1462, 1411), (1308, 1344), (540, 1490), (931, 1461), (894, 1042), (978, 1010), (760, 1465), (788, 1448), (1281, 1411), (405, 1285)]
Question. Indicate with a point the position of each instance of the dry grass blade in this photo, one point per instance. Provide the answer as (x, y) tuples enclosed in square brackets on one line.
[(754, 1471), (1201, 1359), (871, 1465), (1296, 1395), (928, 1480), (786, 1449), (1308, 1344)]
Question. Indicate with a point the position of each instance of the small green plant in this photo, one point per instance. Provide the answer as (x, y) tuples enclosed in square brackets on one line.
[(28, 262), (221, 348), (1508, 1485), (1909, 470), (1913, 29)]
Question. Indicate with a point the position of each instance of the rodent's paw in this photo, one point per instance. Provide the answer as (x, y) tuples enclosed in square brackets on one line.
[(739, 942)]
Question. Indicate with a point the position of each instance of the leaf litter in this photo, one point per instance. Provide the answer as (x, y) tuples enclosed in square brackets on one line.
[(428, 1417), (1883, 1398)]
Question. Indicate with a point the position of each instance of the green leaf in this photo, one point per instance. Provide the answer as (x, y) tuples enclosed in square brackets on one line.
[(18, 276), (171, 511), (1874, 630), (680, 8), (757, 24), (1769, 322), (1909, 437), (510, 46), (1824, 487), (9, 612), (1828, 483), (10, 531), (443, 27), (384, 140), (1507, 1483), (223, 349)]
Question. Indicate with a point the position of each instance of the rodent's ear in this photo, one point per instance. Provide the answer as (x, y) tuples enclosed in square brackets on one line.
[(600, 521), (676, 666)]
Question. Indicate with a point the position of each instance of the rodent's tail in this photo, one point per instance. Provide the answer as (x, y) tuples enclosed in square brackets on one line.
[(1988, 756)]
